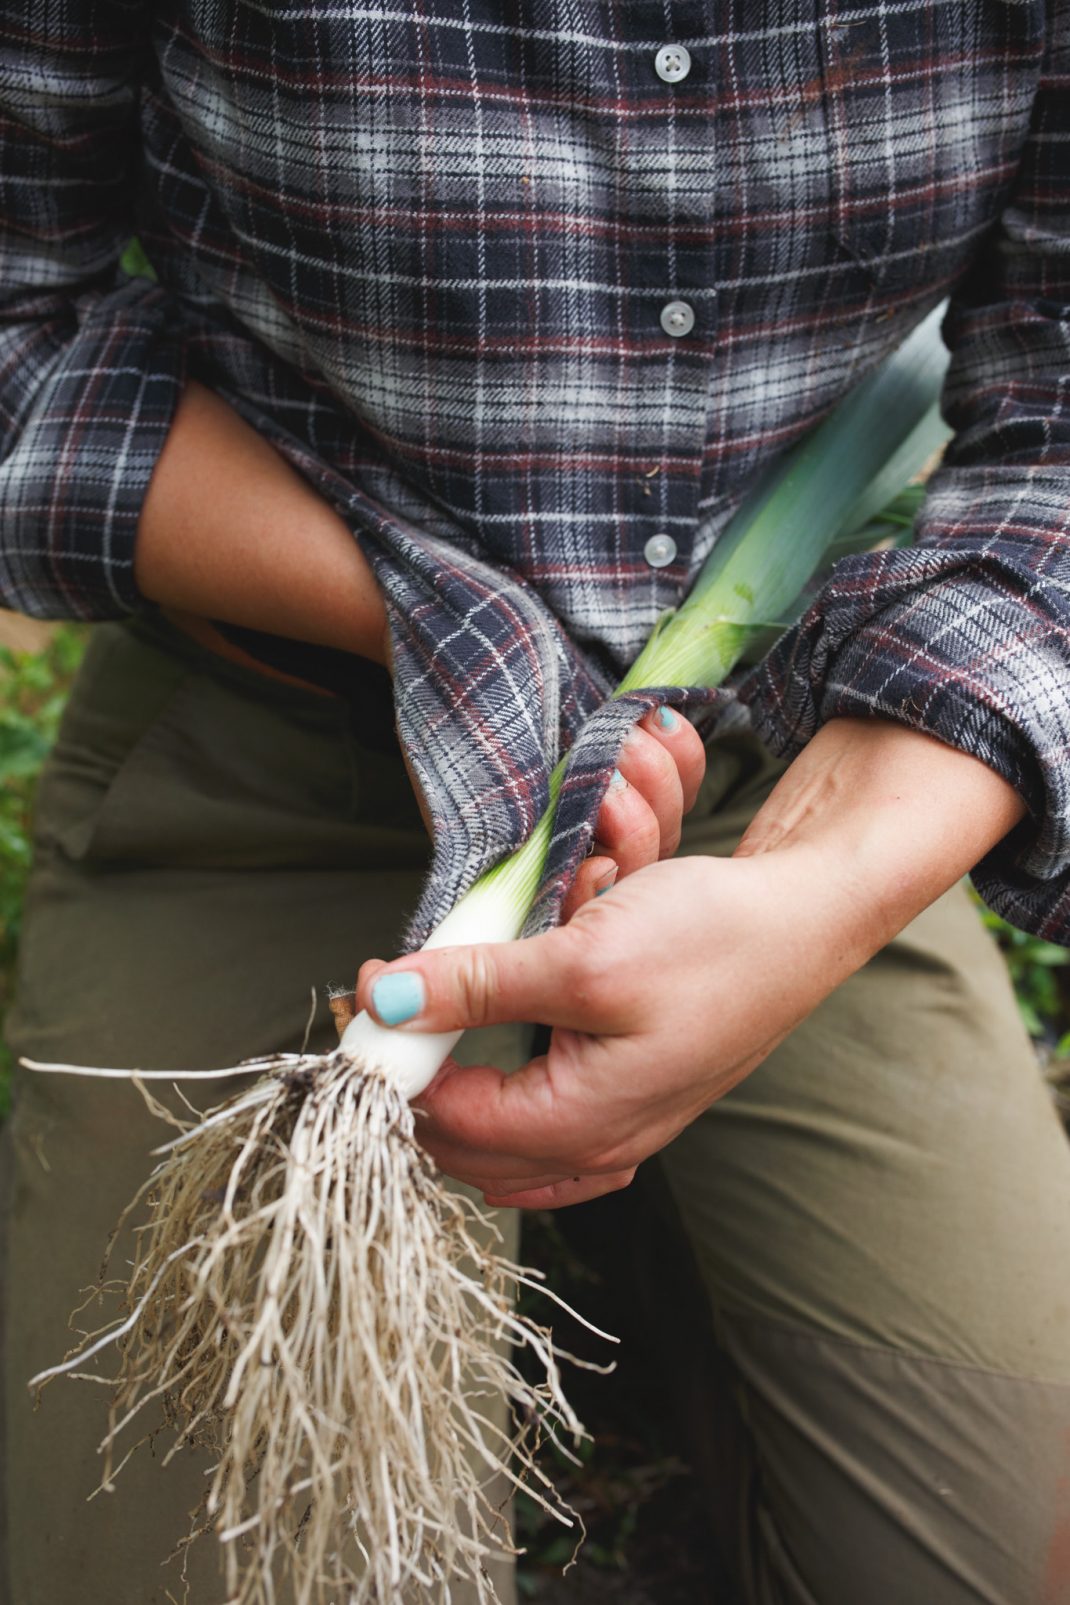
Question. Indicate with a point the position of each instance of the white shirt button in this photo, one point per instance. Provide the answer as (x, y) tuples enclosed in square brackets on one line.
[(677, 318), (659, 551), (672, 63)]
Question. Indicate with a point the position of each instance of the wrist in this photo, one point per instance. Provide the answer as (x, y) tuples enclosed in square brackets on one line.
[(886, 819)]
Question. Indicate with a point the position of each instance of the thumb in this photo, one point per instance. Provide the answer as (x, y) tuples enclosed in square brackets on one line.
[(538, 980)]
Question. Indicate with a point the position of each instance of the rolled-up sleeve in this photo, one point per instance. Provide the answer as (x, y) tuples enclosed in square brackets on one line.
[(90, 366), (966, 636)]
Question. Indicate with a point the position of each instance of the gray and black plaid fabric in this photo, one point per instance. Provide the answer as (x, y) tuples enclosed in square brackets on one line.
[(427, 250)]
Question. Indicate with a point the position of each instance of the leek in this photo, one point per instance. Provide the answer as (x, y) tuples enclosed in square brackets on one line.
[(839, 488)]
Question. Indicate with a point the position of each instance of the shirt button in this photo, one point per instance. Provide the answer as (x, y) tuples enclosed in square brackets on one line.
[(672, 63), (677, 318), (659, 551)]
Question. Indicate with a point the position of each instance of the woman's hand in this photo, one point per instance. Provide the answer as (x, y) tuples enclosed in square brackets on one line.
[(665, 993), (662, 995), (659, 772)]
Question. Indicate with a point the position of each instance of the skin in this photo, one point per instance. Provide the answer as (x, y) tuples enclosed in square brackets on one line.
[(669, 989), (216, 539)]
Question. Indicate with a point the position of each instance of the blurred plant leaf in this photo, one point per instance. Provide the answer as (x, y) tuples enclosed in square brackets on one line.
[(33, 691), (135, 262)]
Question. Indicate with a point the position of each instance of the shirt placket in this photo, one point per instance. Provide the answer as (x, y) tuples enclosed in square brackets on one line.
[(672, 289)]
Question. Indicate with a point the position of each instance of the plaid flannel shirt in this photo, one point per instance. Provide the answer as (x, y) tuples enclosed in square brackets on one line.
[(430, 251)]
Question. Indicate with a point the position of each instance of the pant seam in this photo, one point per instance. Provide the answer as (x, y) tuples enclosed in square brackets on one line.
[(723, 1315)]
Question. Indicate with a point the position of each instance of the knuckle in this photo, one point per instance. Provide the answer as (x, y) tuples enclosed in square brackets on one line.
[(636, 832), (670, 842), (661, 780), (660, 765), (646, 759), (605, 1162), (621, 1157), (476, 984), (594, 980), (368, 971), (583, 1163), (644, 840)]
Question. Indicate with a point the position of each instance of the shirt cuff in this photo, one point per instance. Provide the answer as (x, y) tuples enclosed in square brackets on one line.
[(88, 410), (931, 639)]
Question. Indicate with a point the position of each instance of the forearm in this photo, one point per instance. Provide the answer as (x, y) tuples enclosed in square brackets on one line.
[(883, 821), (230, 531)]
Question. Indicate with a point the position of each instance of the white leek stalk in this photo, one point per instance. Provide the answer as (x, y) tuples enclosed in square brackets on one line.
[(307, 1301), (493, 910)]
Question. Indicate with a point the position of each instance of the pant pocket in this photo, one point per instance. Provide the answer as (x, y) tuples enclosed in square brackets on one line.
[(167, 758)]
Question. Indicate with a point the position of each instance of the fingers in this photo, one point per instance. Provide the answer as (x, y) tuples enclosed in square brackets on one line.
[(548, 1121), (651, 771), (594, 877), (487, 1128), (628, 829), (661, 766), (659, 771), (683, 743), (561, 978), (513, 1150), (513, 1182)]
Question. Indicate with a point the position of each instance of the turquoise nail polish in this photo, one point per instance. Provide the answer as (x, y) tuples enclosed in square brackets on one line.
[(398, 997), (618, 781), (667, 719)]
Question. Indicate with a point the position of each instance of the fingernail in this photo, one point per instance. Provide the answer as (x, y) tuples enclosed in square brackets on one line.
[(606, 882), (618, 781), (398, 997), (667, 719)]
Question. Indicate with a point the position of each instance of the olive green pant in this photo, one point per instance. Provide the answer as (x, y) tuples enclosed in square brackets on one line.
[(879, 1215)]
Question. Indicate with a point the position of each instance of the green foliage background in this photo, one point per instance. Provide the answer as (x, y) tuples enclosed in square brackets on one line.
[(33, 691)]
